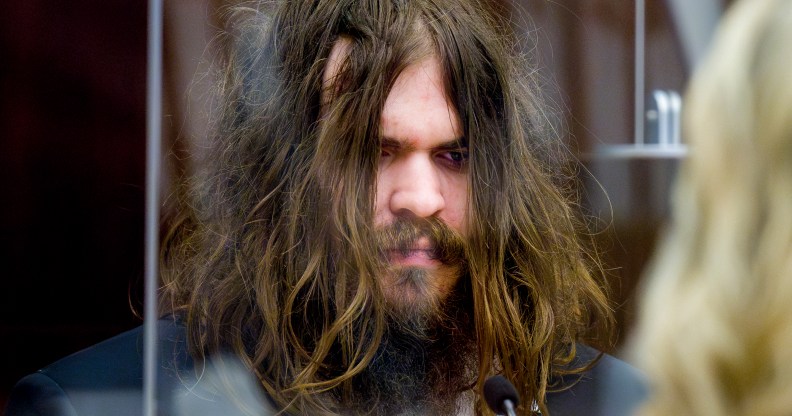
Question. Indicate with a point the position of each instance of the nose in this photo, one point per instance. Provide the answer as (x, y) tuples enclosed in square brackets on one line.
[(416, 188)]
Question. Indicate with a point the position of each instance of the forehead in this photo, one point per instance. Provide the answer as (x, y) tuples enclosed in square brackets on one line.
[(335, 61), (418, 107), (417, 102)]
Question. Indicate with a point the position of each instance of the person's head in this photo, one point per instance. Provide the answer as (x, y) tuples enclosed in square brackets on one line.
[(421, 185), (384, 185), (716, 326)]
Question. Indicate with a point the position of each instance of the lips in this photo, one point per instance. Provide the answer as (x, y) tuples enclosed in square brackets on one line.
[(420, 254), (423, 243), (413, 258)]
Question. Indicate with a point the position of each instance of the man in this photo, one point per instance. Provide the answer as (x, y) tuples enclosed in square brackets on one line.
[(381, 226)]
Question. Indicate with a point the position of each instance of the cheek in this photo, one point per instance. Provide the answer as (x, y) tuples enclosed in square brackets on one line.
[(456, 199), (381, 201)]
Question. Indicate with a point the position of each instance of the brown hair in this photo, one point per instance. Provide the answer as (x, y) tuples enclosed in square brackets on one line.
[(277, 259)]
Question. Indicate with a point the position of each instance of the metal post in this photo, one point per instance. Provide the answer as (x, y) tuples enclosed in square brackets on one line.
[(153, 159)]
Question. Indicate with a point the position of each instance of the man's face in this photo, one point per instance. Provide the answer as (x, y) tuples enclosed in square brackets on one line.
[(421, 186), (422, 176)]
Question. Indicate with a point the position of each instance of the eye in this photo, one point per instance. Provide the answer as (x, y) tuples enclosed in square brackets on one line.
[(386, 151), (456, 159)]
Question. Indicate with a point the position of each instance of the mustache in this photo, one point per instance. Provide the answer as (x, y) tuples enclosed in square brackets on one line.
[(445, 244)]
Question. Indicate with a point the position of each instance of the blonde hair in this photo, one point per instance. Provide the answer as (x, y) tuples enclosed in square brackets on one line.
[(716, 325)]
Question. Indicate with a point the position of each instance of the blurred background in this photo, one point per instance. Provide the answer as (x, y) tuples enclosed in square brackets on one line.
[(72, 146)]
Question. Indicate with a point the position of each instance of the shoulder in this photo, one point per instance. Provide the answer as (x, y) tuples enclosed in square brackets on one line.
[(105, 378), (37, 394), (610, 387)]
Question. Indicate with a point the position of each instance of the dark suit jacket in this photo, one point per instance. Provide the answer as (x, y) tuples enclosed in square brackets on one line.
[(106, 379)]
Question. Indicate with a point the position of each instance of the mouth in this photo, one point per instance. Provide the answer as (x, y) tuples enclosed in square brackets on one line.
[(421, 255), (428, 246)]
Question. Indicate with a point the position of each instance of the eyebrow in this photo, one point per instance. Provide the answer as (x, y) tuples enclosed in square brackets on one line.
[(457, 143)]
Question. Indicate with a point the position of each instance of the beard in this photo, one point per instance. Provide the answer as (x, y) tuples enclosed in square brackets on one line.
[(415, 294), (423, 363), (426, 356)]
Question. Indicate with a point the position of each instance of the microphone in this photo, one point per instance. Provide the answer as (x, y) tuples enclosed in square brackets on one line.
[(501, 396)]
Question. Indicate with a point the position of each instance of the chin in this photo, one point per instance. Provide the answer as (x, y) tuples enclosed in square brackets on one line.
[(413, 295)]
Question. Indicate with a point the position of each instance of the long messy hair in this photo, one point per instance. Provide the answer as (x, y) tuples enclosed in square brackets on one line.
[(274, 257), (716, 327)]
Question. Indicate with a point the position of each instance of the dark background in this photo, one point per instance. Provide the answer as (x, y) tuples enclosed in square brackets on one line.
[(72, 146)]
